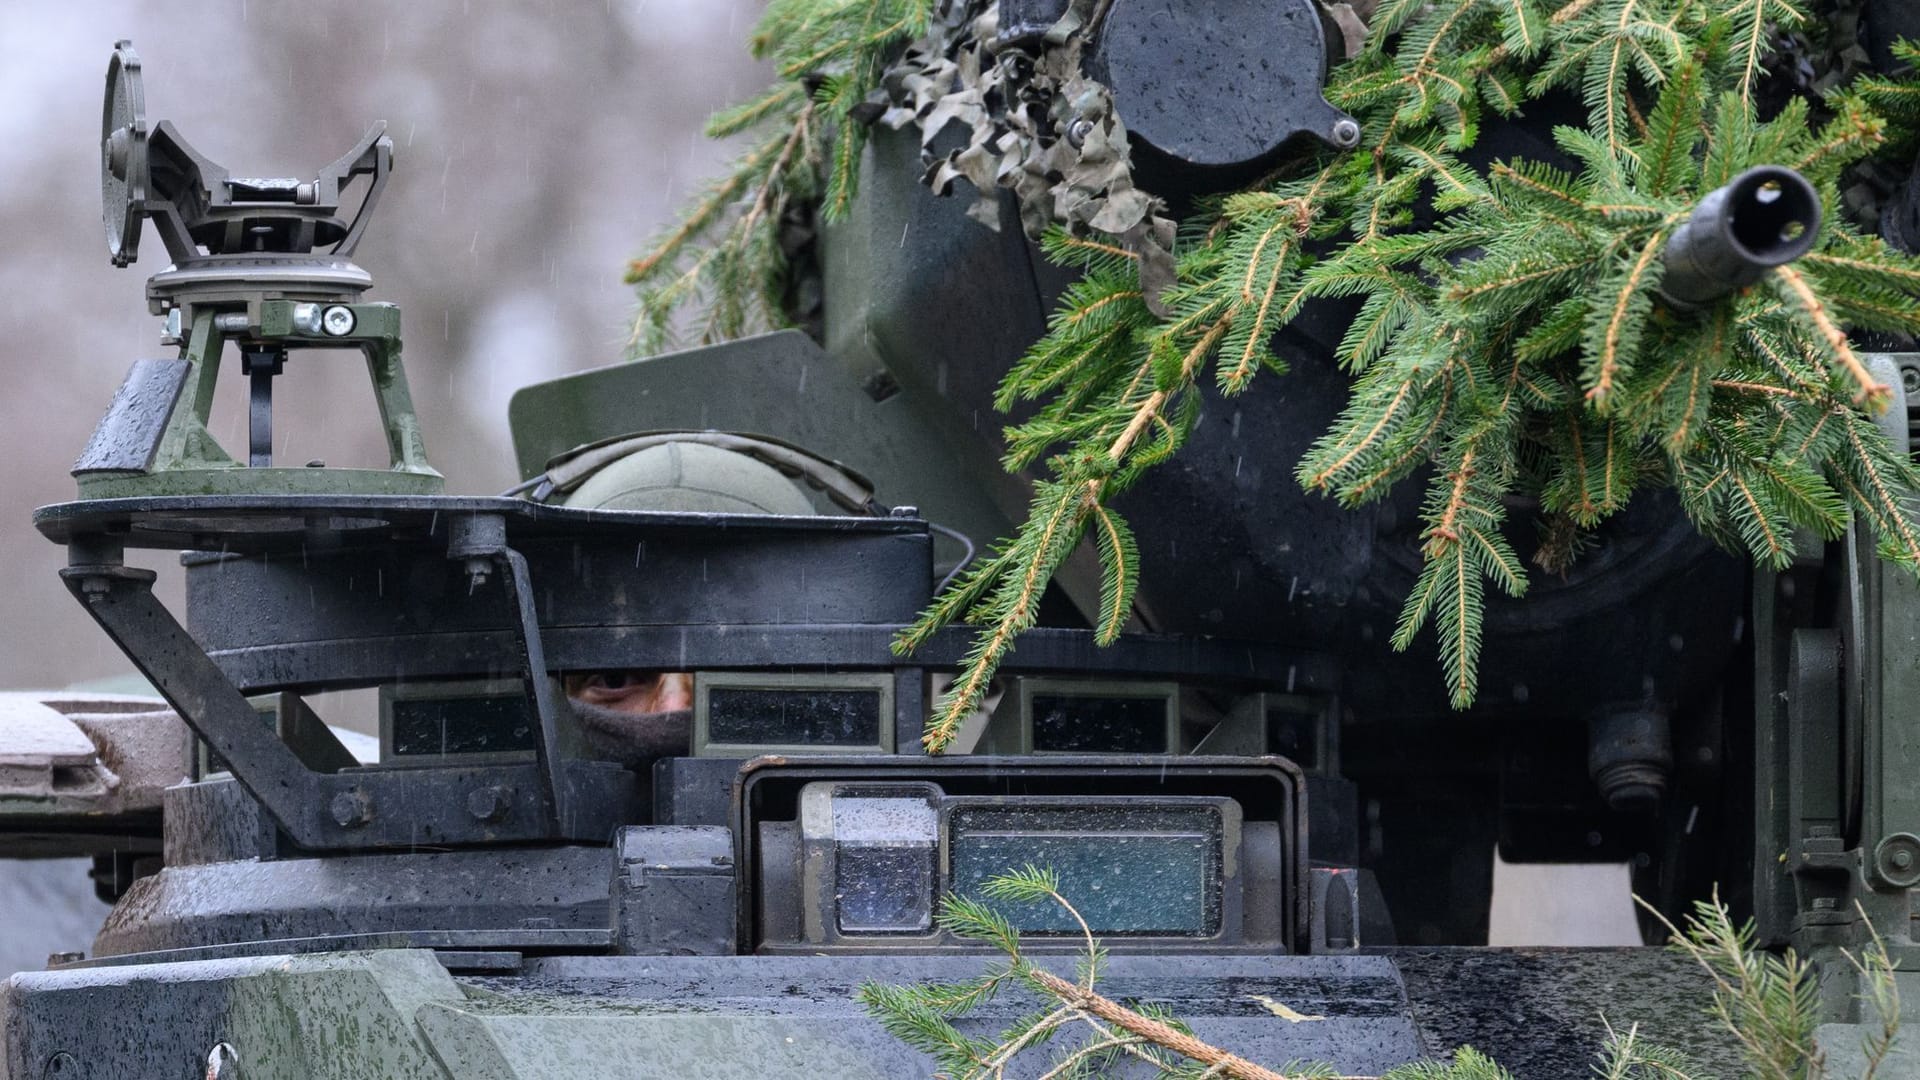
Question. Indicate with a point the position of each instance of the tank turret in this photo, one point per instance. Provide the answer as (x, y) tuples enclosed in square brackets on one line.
[(648, 783)]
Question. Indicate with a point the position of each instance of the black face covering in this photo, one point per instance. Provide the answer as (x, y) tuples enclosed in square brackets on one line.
[(635, 739)]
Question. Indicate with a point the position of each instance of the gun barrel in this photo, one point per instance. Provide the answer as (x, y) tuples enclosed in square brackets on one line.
[(1767, 216)]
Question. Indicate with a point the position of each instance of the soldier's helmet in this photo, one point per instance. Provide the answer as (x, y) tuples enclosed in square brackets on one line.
[(699, 472), (689, 477)]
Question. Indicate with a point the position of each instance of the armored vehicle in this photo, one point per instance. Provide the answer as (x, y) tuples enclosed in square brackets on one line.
[(1276, 832)]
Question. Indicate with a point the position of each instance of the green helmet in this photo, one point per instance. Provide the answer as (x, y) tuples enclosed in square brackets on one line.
[(698, 472), (690, 477)]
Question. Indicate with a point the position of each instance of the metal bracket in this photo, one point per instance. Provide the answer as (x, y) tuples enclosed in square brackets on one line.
[(155, 439), (481, 541), (1888, 675), (674, 892), (129, 435), (352, 808)]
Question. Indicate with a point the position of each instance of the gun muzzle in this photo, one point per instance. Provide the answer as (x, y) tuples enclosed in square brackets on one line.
[(1767, 216)]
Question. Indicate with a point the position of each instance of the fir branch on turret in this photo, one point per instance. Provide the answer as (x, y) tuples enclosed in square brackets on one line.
[(725, 259), (1767, 1003), (1087, 1032), (1511, 339), (1514, 315)]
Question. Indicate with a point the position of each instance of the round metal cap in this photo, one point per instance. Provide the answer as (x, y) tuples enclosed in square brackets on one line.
[(123, 154), (1223, 82), (1896, 860)]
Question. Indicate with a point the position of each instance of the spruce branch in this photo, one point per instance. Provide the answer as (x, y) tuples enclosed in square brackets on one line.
[(830, 55), (1063, 508), (1628, 1057), (1768, 1003), (1753, 20), (1150, 1030), (1875, 968), (703, 215), (1625, 318), (1877, 483), (923, 1016), (1875, 396), (1016, 579), (711, 258), (1508, 313)]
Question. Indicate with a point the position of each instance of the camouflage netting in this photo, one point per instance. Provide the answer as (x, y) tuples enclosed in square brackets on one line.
[(1035, 124)]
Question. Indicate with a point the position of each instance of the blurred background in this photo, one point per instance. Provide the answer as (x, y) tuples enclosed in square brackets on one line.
[(538, 145)]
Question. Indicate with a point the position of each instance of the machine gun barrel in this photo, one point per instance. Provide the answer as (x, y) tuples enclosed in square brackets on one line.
[(1767, 216)]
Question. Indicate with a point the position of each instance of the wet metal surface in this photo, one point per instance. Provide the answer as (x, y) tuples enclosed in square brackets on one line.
[(382, 1013), (1539, 1011), (1353, 1011), (516, 895)]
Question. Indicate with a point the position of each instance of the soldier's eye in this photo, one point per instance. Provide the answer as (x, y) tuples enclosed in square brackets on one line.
[(618, 682)]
